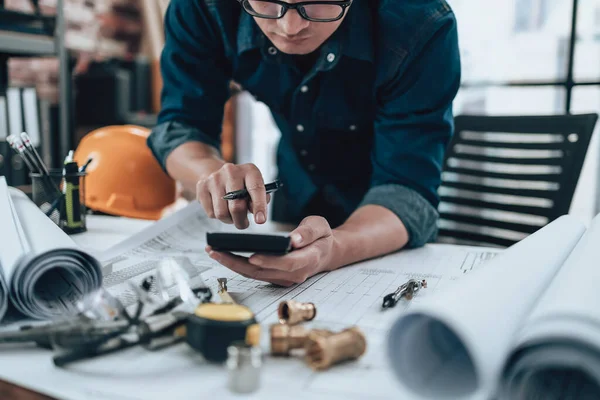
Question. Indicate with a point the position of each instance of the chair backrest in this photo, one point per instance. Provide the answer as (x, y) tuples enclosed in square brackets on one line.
[(505, 177)]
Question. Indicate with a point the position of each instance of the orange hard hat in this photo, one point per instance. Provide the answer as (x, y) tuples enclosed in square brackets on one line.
[(123, 177)]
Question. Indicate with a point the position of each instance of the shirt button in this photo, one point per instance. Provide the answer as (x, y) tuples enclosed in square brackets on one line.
[(352, 127), (300, 128), (272, 50), (330, 57), (303, 153), (312, 167), (304, 89)]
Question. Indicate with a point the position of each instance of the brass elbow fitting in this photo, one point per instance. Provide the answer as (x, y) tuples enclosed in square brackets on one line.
[(285, 338), (323, 351), (292, 312)]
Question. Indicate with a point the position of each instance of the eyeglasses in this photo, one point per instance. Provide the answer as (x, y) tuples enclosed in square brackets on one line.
[(317, 11)]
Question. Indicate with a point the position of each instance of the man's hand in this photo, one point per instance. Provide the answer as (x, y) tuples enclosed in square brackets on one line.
[(228, 178), (313, 251)]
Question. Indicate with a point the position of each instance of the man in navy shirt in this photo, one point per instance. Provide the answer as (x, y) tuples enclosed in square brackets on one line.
[(362, 92)]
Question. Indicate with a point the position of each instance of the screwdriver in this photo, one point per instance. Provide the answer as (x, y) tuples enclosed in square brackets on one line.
[(215, 326)]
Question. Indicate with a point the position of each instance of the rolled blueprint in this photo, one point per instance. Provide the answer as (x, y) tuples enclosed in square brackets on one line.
[(3, 296), (557, 353), (454, 344), (45, 272)]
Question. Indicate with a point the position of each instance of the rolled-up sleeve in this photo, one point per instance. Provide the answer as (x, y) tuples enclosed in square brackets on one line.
[(413, 126), (196, 75)]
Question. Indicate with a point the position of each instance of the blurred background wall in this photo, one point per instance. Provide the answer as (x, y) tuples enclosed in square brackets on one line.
[(96, 31)]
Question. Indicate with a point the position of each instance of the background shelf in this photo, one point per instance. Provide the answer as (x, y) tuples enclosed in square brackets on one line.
[(24, 44)]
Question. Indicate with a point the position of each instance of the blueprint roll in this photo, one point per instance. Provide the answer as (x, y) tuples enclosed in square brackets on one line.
[(455, 343), (51, 283), (3, 296), (45, 272), (557, 351)]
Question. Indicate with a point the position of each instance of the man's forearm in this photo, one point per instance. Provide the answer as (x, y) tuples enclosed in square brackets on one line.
[(371, 231), (192, 161)]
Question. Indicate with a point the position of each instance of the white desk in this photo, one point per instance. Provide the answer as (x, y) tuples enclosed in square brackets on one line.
[(178, 372), (105, 231)]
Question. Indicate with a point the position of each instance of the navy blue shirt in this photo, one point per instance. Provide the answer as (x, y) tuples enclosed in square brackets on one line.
[(368, 123)]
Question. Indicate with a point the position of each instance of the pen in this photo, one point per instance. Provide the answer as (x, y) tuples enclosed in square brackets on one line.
[(243, 193)]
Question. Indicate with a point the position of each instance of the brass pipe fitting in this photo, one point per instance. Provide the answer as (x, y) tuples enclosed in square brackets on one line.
[(292, 312), (323, 351), (285, 338)]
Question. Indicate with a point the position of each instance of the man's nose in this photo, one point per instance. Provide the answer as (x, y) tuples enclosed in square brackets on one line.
[(292, 23)]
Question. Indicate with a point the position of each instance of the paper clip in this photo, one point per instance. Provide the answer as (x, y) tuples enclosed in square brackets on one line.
[(407, 290)]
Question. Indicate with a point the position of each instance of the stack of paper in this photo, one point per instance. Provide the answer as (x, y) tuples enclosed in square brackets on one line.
[(43, 273)]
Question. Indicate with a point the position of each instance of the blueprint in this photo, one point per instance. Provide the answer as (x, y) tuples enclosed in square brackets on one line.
[(179, 239), (353, 296), (349, 296)]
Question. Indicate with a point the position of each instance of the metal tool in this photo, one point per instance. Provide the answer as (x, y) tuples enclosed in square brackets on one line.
[(84, 337), (213, 327), (324, 349), (286, 338), (293, 312), (157, 330), (225, 296), (202, 294), (209, 328), (244, 363), (154, 333), (75, 333), (407, 290)]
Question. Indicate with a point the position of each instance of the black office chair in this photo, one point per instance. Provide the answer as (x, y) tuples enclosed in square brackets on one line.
[(505, 177)]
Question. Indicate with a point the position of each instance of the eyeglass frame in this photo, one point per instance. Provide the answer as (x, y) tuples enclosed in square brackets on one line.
[(299, 8)]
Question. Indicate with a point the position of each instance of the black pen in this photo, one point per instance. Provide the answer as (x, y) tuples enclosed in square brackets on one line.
[(243, 193)]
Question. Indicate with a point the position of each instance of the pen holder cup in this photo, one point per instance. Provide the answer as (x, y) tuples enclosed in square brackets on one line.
[(62, 198)]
